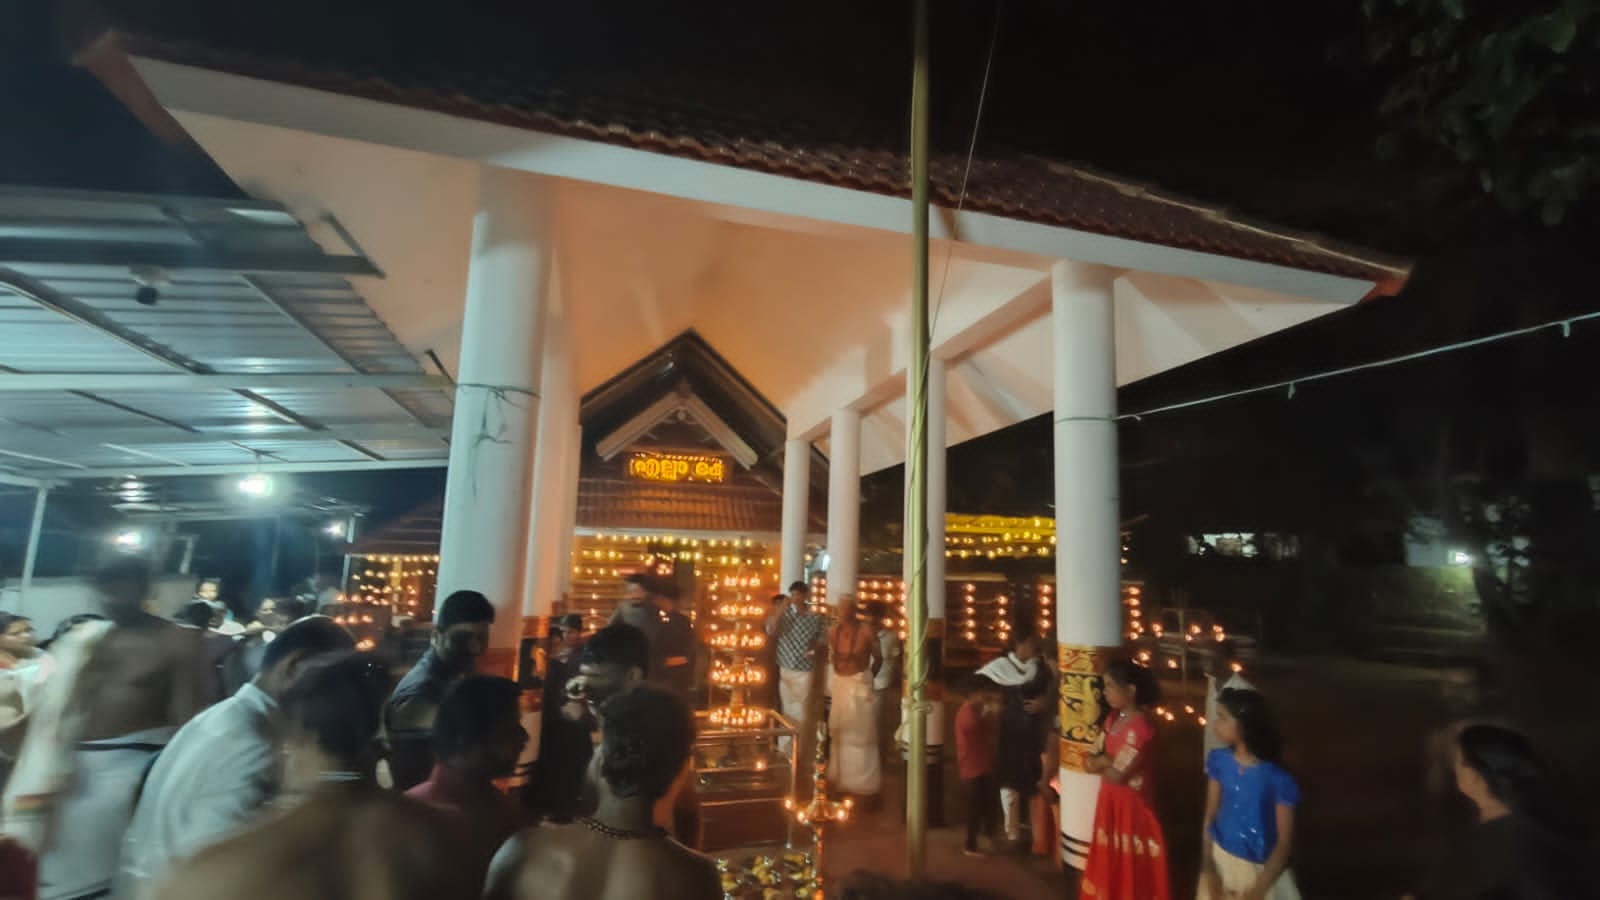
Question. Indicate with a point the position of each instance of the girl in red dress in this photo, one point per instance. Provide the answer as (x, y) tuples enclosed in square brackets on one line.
[(1128, 858)]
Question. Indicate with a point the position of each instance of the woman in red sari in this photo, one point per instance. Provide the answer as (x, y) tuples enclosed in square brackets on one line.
[(1128, 859)]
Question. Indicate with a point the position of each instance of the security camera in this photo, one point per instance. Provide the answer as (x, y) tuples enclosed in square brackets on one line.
[(151, 279)]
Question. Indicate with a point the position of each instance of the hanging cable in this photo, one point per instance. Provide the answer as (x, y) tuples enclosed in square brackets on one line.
[(1292, 383), (966, 169)]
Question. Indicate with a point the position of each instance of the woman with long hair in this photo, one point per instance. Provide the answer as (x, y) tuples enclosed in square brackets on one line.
[(1128, 856), (1250, 806)]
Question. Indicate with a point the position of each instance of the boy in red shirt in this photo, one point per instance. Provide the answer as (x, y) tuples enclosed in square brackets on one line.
[(975, 736)]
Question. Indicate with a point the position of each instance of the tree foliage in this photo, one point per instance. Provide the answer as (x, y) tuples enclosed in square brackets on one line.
[(1499, 98)]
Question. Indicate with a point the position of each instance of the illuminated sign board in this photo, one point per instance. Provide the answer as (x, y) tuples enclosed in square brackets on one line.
[(677, 467)]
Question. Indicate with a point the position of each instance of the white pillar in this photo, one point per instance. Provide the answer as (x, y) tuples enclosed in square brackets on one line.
[(569, 500), (497, 402), (31, 555), (844, 504), (1088, 537), (796, 510), (547, 504)]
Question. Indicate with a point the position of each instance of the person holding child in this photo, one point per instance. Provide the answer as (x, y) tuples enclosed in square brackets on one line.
[(1250, 806)]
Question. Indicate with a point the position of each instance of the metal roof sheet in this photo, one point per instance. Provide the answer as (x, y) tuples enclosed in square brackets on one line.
[(241, 289)]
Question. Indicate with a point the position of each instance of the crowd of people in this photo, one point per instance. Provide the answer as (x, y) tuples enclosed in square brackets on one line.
[(140, 762)]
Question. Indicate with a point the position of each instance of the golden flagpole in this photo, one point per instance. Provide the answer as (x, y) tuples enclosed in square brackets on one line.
[(916, 530)]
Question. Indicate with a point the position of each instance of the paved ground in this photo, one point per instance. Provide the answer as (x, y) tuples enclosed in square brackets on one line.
[(1355, 733)]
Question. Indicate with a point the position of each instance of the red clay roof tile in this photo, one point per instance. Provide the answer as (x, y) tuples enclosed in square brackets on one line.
[(748, 133)]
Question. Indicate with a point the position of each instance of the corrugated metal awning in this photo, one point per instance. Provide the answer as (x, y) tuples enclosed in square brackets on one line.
[(165, 335)]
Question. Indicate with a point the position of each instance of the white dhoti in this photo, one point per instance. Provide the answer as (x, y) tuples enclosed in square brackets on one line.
[(93, 813), (794, 692), (1238, 875), (854, 765)]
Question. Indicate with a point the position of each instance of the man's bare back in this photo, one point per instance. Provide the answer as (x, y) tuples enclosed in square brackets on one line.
[(853, 644), (357, 843), (574, 862), (146, 674)]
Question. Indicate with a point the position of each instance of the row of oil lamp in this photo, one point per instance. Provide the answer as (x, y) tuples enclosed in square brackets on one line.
[(735, 716)]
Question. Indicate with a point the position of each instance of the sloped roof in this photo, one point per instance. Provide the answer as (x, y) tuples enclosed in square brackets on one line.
[(753, 126), (622, 504)]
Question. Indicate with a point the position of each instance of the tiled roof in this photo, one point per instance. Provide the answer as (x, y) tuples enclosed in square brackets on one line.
[(612, 503), (731, 509), (747, 126), (416, 531)]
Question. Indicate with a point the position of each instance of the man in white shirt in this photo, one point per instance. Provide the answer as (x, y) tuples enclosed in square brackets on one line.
[(219, 770), (1220, 676)]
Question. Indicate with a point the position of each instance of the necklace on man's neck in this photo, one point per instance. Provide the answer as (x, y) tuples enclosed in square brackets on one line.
[(621, 834)]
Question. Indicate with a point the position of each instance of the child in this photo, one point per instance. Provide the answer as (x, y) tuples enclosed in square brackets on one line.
[(975, 735), (1250, 806)]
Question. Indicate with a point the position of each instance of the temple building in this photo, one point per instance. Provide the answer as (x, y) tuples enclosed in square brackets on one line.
[(548, 264)]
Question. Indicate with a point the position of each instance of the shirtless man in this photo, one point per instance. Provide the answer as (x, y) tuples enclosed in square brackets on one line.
[(343, 836), (854, 657), (853, 641), (140, 678), (618, 853)]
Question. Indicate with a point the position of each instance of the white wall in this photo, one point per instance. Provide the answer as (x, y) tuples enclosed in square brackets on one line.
[(51, 600)]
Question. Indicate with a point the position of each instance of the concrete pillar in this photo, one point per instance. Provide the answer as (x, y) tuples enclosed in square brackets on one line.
[(844, 504), (1088, 539), (31, 556), (796, 510), (497, 402), (547, 506)]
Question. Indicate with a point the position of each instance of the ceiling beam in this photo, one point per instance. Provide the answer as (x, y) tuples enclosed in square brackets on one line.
[(301, 322), (432, 462), (179, 381), (22, 481), (135, 437), (64, 464), (62, 252)]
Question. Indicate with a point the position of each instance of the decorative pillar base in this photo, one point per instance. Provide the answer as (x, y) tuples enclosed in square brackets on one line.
[(1081, 704)]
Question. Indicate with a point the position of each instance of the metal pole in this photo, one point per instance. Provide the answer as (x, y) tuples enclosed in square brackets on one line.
[(272, 572), (349, 541), (186, 562), (35, 530), (917, 464)]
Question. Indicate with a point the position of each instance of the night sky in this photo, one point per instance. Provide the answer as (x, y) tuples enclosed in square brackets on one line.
[(1262, 106)]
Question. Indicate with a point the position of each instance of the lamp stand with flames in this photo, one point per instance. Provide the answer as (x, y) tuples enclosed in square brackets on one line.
[(821, 811)]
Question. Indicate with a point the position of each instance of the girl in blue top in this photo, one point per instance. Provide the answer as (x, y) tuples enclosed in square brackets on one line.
[(1250, 806)]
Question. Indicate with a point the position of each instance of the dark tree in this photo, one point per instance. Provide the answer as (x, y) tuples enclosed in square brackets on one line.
[(1496, 98)]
